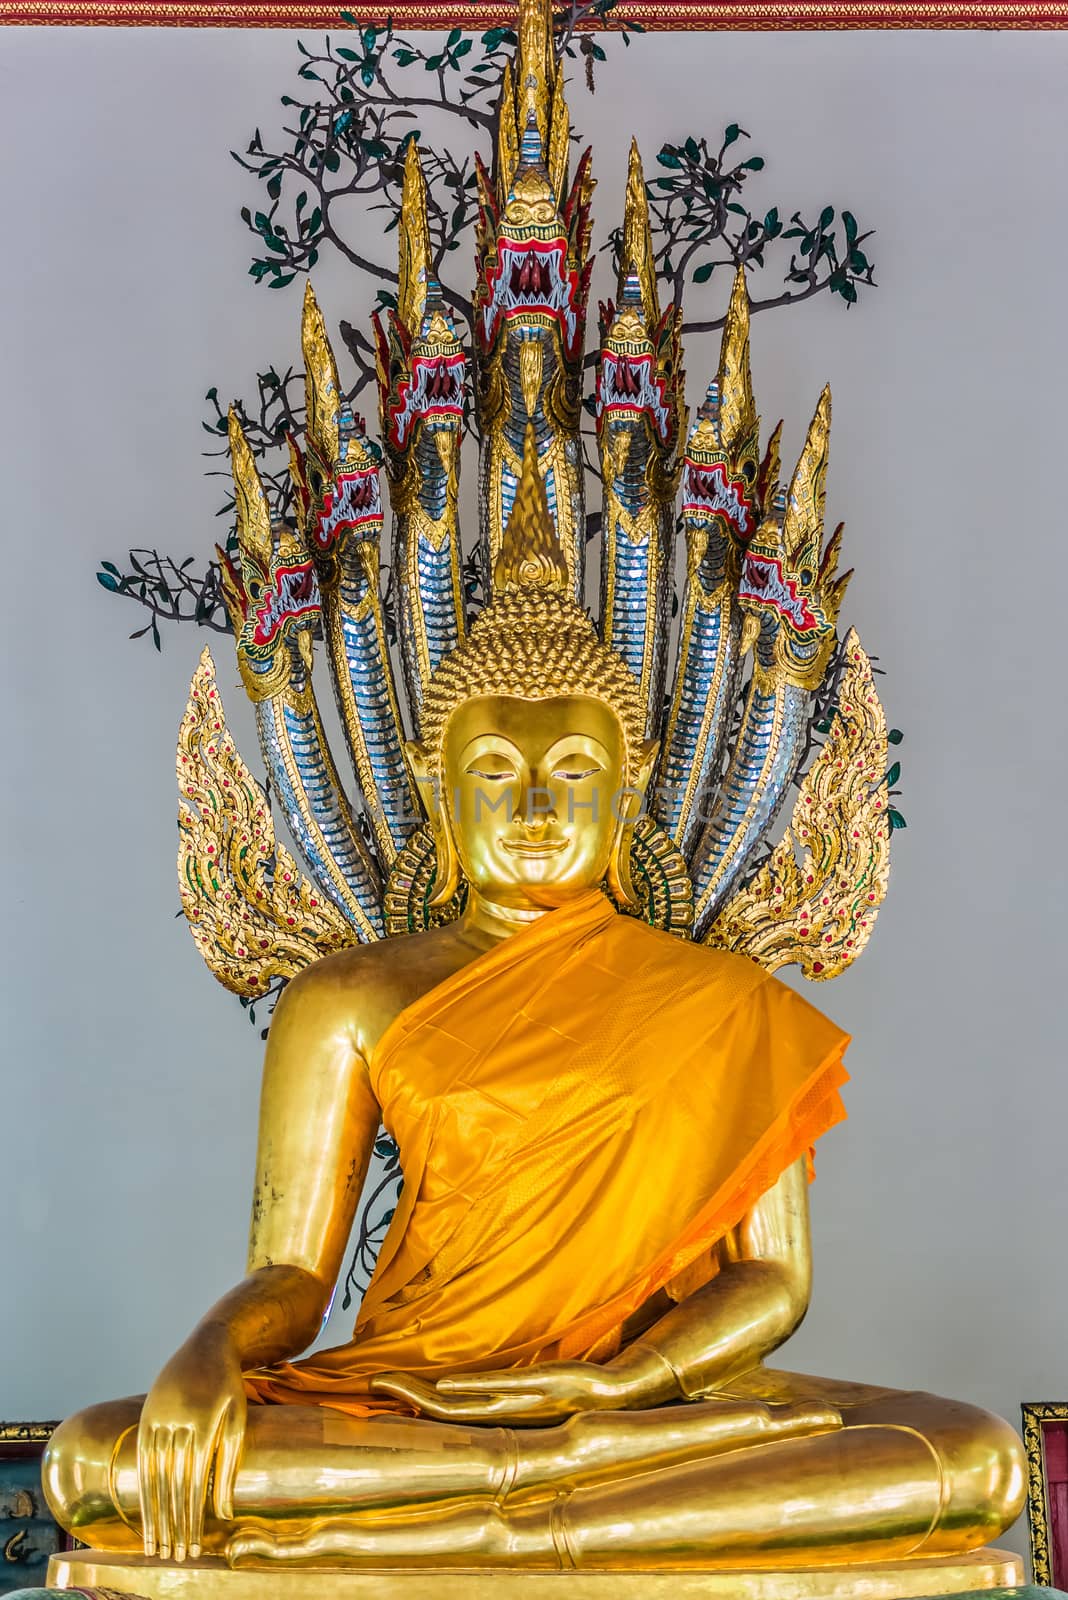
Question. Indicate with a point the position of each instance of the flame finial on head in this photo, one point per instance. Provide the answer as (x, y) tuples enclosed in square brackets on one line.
[(530, 556)]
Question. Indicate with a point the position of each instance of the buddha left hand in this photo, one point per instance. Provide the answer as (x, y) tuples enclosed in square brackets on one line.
[(548, 1392)]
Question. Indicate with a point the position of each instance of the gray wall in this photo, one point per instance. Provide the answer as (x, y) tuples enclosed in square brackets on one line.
[(131, 1078)]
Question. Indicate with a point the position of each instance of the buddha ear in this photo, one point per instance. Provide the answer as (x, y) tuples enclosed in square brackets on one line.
[(629, 807), (421, 764), (647, 754), (424, 768)]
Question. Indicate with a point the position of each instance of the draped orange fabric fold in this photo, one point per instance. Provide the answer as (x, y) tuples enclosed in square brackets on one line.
[(582, 1114)]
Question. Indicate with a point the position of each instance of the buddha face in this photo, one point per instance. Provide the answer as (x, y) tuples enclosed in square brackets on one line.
[(534, 794)]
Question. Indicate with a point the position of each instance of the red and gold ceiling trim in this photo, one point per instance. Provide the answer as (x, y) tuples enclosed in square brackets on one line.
[(739, 15)]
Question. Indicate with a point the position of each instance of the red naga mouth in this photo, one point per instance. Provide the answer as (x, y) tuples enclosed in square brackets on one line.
[(435, 389), (442, 382), (293, 594), (764, 580), (530, 277), (710, 492), (354, 500), (622, 381), (626, 384)]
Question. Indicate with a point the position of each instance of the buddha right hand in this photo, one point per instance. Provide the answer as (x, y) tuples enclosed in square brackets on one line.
[(189, 1441)]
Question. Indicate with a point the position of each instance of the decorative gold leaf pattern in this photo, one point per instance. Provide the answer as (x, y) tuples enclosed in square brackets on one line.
[(819, 911), (252, 914)]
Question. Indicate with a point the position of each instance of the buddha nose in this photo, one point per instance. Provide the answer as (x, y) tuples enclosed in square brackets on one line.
[(534, 810)]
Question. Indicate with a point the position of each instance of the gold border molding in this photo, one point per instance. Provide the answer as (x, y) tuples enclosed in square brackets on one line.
[(667, 15)]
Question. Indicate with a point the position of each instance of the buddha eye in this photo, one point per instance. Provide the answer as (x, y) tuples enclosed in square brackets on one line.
[(575, 774), (491, 774)]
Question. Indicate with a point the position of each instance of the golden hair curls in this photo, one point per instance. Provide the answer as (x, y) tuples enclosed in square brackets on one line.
[(535, 644)]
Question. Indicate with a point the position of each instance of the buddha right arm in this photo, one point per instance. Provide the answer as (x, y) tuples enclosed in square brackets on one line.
[(318, 1119)]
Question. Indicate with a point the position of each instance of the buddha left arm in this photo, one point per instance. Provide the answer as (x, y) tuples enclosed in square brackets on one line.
[(730, 1324), (751, 1307)]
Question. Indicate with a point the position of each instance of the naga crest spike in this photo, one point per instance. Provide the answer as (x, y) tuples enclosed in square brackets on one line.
[(322, 388), (808, 486), (637, 252), (250, 502), (737, 410), (414, 265)]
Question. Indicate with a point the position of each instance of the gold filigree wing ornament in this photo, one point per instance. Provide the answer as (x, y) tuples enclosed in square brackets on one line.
[(254, 917), (814, 901)]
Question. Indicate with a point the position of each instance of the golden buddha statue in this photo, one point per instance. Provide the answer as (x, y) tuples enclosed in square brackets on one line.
[(605, 1107)]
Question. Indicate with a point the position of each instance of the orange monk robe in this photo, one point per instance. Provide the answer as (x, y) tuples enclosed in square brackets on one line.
[(582, 1113)]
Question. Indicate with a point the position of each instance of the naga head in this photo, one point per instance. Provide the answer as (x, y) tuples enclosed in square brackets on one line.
[(716, 497), (639, 375), (788, 591), (421, 379), (530, 277), (337, 477), (421, 362), (271, 593), (720, 473), (533, 758), (532, 256)]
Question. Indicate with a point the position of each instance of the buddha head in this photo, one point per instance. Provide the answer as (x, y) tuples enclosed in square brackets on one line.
[(533, 761)]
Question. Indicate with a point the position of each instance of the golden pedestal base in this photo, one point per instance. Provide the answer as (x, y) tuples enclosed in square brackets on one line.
[(212, 1580)]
